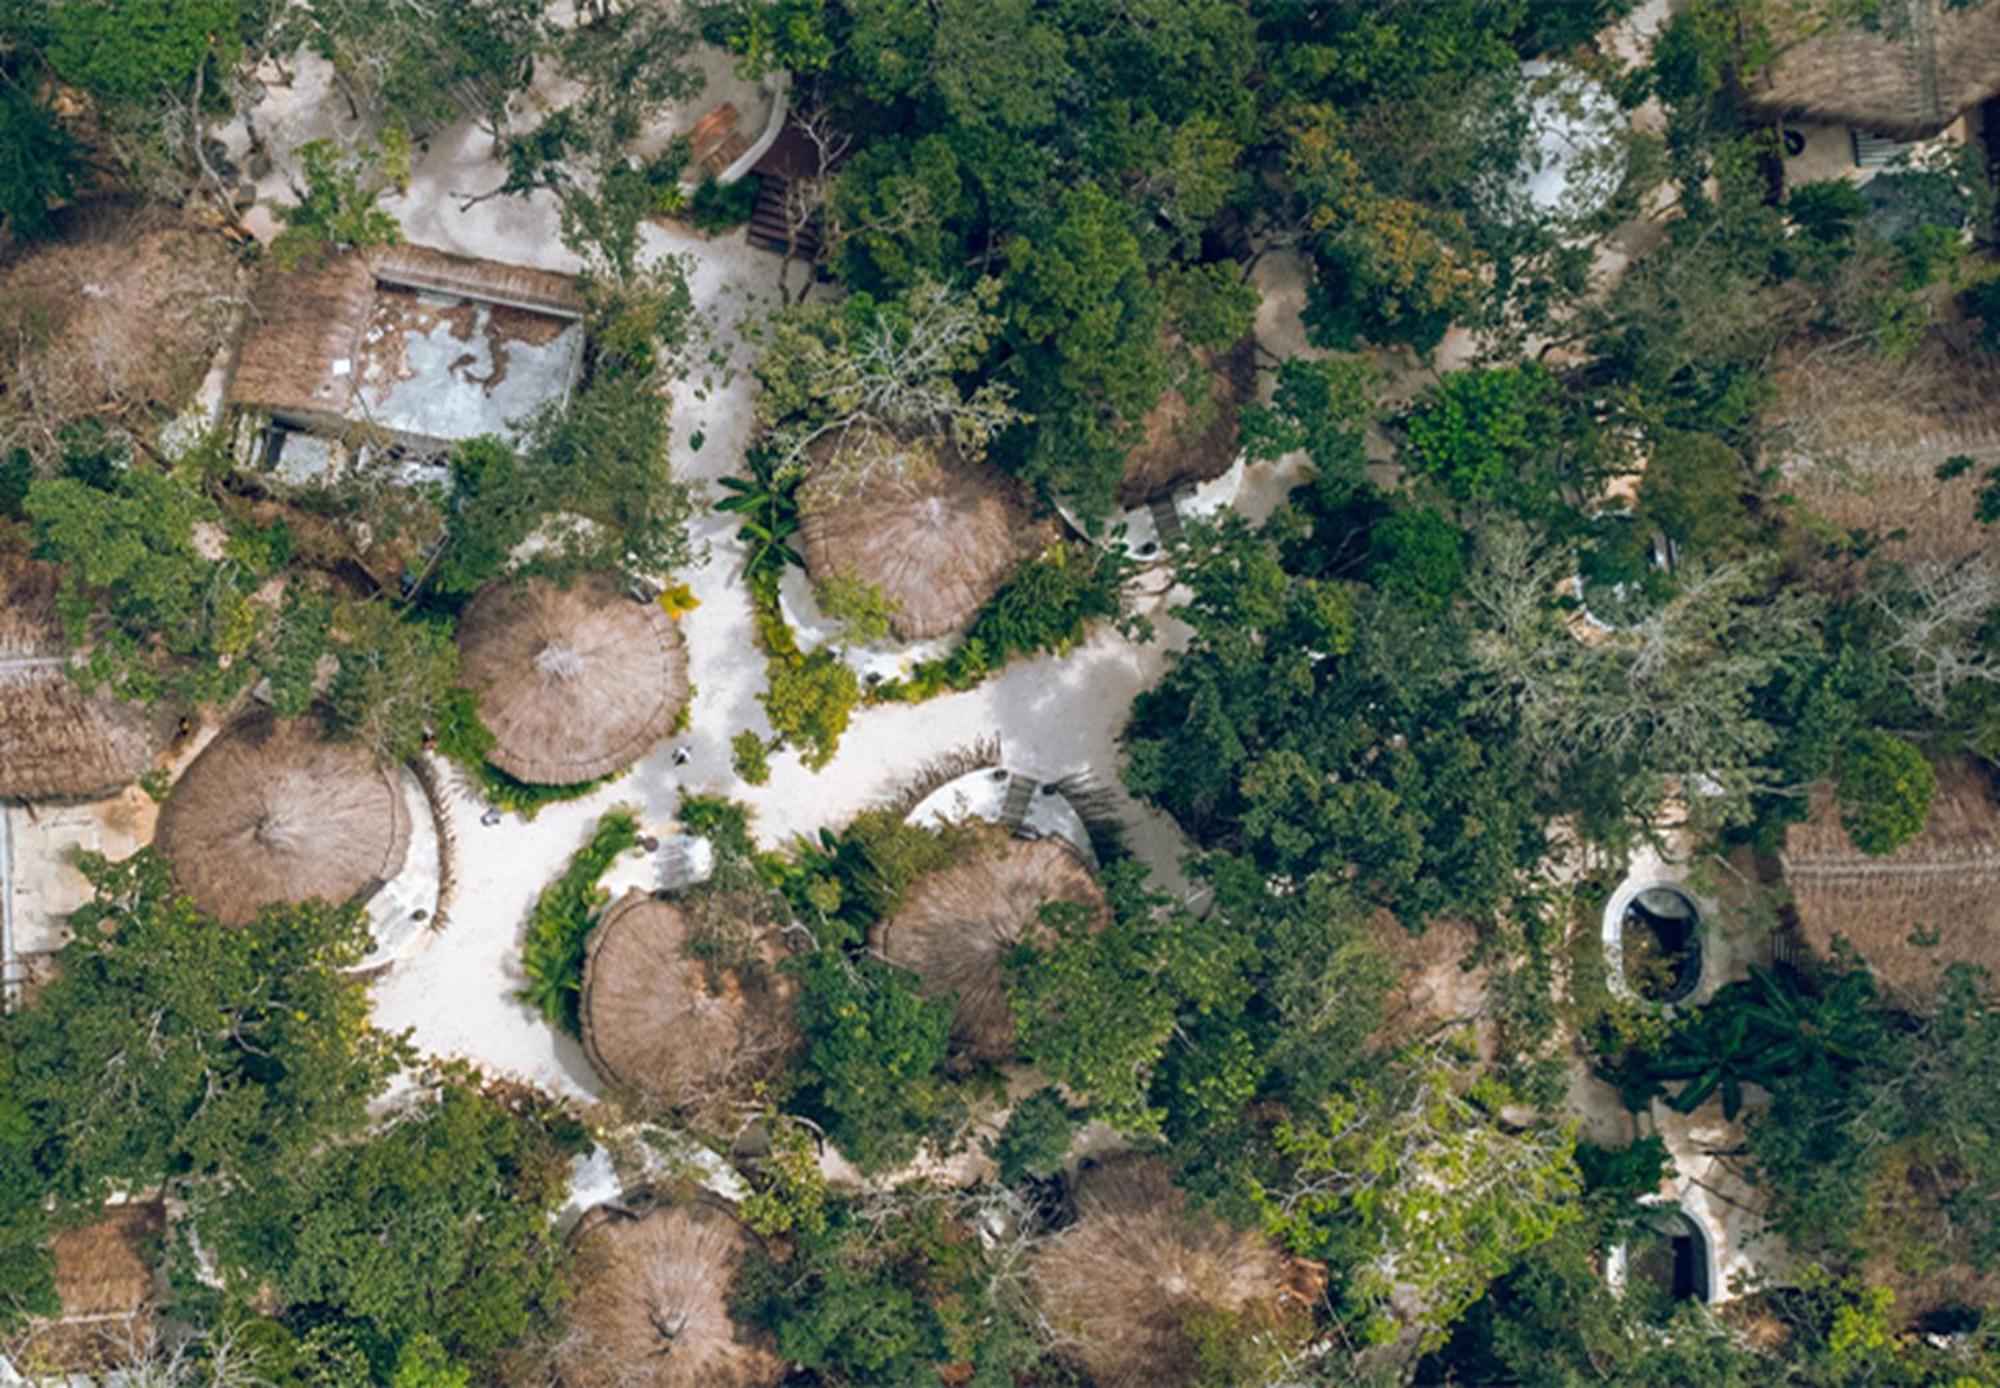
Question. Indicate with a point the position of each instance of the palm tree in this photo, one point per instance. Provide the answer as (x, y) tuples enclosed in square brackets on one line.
[(1771, 1030)]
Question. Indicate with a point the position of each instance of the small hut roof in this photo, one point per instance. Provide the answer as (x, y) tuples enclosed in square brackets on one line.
[(1122, 1281), (1933, 902), (652, 1303), (575, 683), (937, 537), (104, 1281), (276, 811), (56, 743), (651, 1022), (1861, 438), (1908, 74), (953, 925), (1177, 451)]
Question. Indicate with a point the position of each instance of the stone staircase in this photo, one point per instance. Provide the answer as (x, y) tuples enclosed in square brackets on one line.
[(1014, 808)]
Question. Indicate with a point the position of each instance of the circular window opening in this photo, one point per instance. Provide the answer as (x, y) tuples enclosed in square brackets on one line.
[(1795, 143), (1669, 1253), (1659, 943)]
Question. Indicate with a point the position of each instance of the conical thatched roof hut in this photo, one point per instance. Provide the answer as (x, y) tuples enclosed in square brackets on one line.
[(575, 683), (1907, 74), (937, 535), (653, 1024), (953, 926), (1181, 447), (55, 742), (104, 1280), (652, 1302), (275, 810), (1931, 903), (1122, 1282)]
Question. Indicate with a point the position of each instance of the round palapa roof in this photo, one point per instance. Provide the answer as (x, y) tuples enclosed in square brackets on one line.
[(953, 925), (652, 1303), (275, 811), (574, 683), (650, 1021), (938, 537), (1122, 1281)]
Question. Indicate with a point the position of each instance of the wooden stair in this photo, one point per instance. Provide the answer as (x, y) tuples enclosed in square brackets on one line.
[(769, 229), (711, 132), (1014, 808), (1166, 521)]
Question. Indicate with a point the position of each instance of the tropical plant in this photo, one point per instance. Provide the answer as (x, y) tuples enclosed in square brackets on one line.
[(552, 956), (1768, 1028)]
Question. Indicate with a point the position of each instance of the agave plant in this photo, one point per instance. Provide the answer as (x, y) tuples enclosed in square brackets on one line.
[(770, 517)]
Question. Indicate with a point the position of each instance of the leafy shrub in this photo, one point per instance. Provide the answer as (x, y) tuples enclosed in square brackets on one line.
[(1036, 1138), (1885, 791), (858, 605), (717, 206), (561, 921), (875, 1048), (809, 702), (749, 757)]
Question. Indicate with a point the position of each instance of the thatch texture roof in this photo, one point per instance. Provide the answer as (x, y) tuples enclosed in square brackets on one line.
[(1861, 439), (1908, 74), (117, 317), (298, 359), (1933, 902), (575, 683), (658, 1022), (937, 536), (1121, 1283), (953, 926), (104, 1279), (276, 811), (56, 743), (1181, 446), (652, 1303)]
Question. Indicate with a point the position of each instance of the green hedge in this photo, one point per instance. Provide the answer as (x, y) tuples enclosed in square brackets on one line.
[(560, 924)]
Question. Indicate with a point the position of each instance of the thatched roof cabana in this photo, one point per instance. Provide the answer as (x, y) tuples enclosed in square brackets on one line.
[(1861, 439), (937, 535), (56, 743), (274, 810), (1908, 74), (652, 1022), (1181, 448), (104, 1280), (953, 925), (114, 318), (1931, 903), (1121, 1283), (652, 1302), (575, 683), (307, 325)]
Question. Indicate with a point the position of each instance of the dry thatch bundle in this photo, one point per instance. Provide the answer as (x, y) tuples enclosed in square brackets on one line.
[(275, 811), (652, 1302), (116, 318), (1861, 439), (55, 742), (1907, 74), (652, 1022), (575, 683), (938, 536), (1123, 1281), (1933, 902), (1182, 446), (953, 925), (104, 1279)]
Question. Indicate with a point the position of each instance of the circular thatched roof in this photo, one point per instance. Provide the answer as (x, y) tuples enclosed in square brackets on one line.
[(953, 925), (275, 811), (651, 1022), (1122, 1281), (938, 537), (1177, 447), (56, 743), (652, 1303), (575, 683)]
